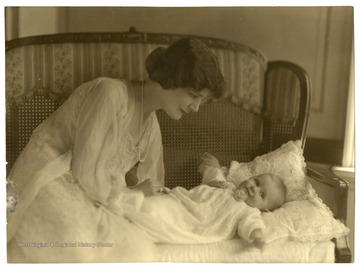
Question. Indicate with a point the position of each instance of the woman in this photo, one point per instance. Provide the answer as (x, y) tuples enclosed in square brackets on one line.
[(100, 146)]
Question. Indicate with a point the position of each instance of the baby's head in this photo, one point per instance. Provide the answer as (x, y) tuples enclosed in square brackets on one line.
[(266, 192)]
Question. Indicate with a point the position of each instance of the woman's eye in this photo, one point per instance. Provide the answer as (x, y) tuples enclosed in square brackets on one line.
[(257, 183)]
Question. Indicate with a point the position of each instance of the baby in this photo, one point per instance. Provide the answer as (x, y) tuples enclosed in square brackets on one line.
[(265, 192), (213, 211)]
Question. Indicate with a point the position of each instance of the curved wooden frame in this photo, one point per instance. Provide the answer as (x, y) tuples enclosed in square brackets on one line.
[(131, 36)]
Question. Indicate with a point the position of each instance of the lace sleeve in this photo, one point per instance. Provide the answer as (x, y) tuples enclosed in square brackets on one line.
[(96, 137), (250, 220), (153, 164)]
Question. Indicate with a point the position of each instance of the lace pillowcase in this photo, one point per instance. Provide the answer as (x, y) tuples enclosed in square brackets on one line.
[(287, 162), (304, 216), (305, 221)]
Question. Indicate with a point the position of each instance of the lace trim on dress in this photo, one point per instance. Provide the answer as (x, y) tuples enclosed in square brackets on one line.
[(128, 154)]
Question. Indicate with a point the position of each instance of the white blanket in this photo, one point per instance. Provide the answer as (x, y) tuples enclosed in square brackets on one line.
[(239, 251), (38, 243)]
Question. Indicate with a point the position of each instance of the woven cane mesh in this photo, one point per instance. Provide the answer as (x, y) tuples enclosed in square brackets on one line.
[(222, 128), (277, 133), (24, 119), (12, 149)]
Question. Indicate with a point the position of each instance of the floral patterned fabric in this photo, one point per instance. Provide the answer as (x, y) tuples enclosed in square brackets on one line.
[(59, 68)]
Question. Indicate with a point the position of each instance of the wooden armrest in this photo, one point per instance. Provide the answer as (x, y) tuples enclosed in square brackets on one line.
[(340, 186), (337, 202), (324, 174), (342, 251)]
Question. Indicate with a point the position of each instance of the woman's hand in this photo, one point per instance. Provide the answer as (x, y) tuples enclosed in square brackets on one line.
[(151, 187), (207, 159)]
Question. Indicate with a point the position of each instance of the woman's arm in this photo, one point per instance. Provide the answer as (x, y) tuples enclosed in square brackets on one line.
[(150, 171), (96, 133)]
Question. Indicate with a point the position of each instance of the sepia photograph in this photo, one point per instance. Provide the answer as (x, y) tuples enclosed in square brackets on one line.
[(179, 134)]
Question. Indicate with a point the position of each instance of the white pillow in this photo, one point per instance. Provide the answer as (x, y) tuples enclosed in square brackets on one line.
[(304, 216), (306, 220), (287, 162)]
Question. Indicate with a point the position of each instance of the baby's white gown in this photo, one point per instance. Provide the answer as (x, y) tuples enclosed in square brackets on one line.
[(69, 174), (203, 214)]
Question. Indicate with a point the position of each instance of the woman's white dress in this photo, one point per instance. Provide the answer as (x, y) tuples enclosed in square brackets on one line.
[(71, 171)]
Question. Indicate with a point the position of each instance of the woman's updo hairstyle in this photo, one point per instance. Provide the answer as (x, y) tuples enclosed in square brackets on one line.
[(186, 63)]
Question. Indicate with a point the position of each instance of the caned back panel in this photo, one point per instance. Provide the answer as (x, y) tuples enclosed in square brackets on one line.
[(21, 120), (222, 128)]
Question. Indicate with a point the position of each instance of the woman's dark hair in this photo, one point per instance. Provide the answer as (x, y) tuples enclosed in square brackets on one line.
[(185, 63)]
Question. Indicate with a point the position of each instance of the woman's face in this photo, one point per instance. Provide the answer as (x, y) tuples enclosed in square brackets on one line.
[(183, 100)]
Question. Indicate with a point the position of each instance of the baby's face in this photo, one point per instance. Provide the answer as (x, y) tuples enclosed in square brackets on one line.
[(262, 192)]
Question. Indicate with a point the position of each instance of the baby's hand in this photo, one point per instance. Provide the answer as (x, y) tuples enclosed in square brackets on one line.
[(240, 194), (210, 160), (151, 187), (256, 236), (258, 243), (207, 159)]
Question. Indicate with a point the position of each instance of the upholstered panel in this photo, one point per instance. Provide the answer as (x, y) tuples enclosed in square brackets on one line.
[(287, 95), (284, 85), (53, 66), (60, 67)]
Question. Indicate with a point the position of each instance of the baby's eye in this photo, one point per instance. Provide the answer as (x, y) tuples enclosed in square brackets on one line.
[(262, 195)]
